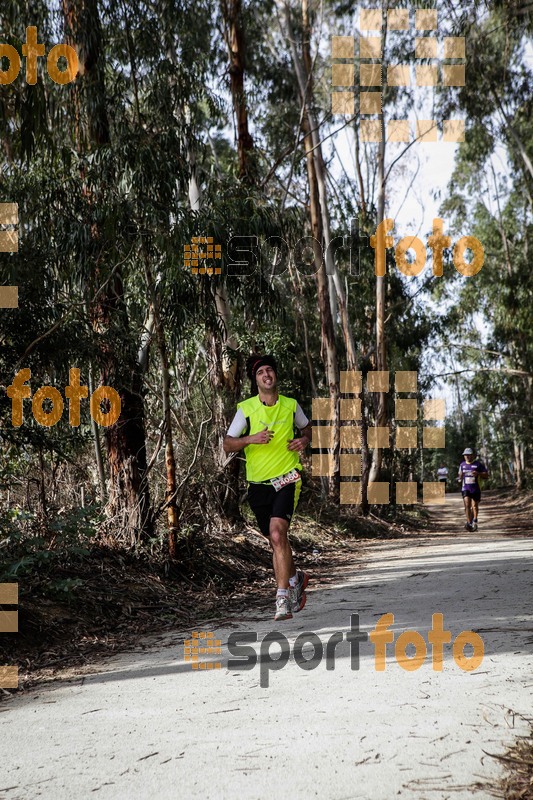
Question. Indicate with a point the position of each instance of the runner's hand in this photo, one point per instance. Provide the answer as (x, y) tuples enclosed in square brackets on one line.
[(298, 444), (263, 437)]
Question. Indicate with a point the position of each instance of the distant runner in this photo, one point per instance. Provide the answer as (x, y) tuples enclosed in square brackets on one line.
[(442, 474), (264, 427), (470, 471)]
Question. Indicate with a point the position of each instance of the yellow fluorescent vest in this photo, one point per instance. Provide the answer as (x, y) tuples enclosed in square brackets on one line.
[(266, 461)]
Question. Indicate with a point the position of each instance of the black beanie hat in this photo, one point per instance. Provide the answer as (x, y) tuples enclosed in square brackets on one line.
[(256, 361)]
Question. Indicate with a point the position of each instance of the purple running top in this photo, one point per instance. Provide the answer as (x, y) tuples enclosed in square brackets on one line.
[(469, 473)]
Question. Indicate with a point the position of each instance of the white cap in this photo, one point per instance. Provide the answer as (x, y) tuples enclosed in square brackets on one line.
[(468, 451)]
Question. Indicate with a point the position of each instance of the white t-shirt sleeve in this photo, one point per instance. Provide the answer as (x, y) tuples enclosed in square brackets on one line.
[(300, 420), (238, 424)]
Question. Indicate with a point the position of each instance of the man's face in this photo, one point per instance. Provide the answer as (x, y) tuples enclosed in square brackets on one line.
[(469, 459), (266, 378)]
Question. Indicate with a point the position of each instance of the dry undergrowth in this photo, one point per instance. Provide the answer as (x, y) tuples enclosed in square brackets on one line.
[(517, 763)]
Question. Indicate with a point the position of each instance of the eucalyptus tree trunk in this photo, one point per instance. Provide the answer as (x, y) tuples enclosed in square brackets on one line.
[(328, 347), (171, 503), (304, 75), (129, 498), (381, 412), (225, 381), (225, 384), (517, 460), (155, 321), (235, 40), (326, 273), (317, 220), (97, 445), (224, 369)]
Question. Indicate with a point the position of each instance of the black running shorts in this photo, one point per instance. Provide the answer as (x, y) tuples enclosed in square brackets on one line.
[(474, 495), (265, 502)]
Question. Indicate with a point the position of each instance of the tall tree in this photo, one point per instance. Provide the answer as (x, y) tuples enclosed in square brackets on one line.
[(129, 496)]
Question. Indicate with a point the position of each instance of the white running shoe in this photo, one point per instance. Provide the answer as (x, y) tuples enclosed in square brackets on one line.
[(283, 608)]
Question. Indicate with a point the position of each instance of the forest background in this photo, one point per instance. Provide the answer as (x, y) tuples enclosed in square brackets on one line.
[(213, 118)]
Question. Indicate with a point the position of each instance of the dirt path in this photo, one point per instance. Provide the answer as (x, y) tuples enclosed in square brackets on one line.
[(147, 725)]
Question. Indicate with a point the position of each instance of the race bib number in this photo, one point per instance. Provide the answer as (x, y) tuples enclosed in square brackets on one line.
[(284, 480), (469, 479)]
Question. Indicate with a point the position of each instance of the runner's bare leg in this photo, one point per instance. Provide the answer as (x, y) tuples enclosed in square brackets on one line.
[(282, 553), (468, 508)]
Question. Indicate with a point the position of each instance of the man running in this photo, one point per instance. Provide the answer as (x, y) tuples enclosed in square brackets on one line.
[(470, 471), (264, 427)]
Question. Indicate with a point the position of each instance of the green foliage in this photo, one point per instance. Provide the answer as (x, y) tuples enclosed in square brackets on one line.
[(28, 548), (488, 327), (105, 210)]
